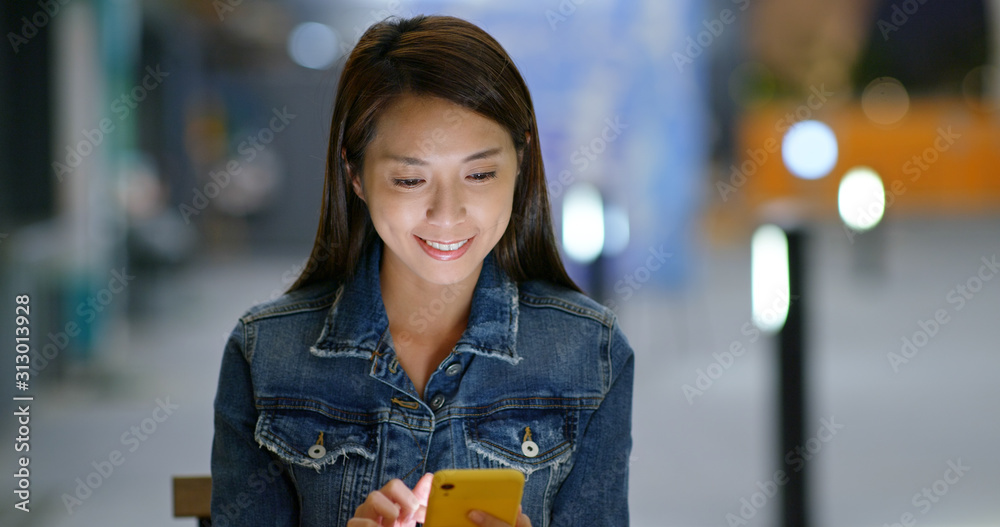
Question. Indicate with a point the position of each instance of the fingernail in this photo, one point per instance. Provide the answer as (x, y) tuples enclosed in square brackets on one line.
[(477, 517)]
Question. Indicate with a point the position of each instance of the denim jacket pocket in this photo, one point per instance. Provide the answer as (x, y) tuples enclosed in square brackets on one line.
[(311, 434), (523, 437), (330, 454)]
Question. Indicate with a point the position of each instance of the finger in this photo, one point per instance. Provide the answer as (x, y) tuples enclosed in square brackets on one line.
[(422, 491), (362, 522), (401, 495), (523, 520), (423, 487), (378, 505)]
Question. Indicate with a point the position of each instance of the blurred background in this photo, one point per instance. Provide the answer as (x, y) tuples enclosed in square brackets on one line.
[(160, 169)]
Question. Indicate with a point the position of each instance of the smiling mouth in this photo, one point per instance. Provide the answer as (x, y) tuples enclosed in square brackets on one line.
[(446, 246)]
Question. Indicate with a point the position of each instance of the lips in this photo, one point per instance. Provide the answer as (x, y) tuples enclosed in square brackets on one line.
[(445, 250)]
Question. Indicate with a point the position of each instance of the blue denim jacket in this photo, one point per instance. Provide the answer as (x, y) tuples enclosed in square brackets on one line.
[(313, 411)]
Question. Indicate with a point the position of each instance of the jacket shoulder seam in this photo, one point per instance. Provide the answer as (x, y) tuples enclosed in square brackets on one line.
[(290, 307), (554, 302)]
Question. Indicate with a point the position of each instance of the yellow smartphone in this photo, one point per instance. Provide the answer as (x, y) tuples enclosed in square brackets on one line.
[(455, 492)]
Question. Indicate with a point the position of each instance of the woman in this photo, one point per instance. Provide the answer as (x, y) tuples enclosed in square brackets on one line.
[(435, 326)]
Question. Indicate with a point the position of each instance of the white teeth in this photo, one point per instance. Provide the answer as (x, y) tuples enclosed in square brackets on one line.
[(449, 247)]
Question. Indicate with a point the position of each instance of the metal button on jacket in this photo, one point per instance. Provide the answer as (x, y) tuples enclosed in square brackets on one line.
[(453, 370), (317, 451), (437, 401)]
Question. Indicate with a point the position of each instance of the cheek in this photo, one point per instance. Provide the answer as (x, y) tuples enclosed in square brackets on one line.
[(400, 220), (390, 214), (497, 210)]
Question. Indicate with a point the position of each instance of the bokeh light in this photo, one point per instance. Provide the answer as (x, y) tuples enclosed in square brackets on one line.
[(583, 223), (981, 88), (616, 230), (770, 289), (885, 101), (313, 45), (861, 198), (809, 149)]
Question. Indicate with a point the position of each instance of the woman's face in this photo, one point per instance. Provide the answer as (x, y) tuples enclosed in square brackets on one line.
[(437, 172)]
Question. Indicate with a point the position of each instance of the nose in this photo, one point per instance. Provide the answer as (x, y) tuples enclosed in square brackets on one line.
[(447, 206)]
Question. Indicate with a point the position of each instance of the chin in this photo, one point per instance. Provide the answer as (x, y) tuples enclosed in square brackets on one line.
[(448, 273)]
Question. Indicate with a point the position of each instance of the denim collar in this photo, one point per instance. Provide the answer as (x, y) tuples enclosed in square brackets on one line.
[(357, 325)]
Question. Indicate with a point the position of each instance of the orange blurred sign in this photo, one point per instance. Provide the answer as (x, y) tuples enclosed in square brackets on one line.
[(941, 157)]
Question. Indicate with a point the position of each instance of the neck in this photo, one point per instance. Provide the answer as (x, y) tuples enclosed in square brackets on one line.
[(425, 311)]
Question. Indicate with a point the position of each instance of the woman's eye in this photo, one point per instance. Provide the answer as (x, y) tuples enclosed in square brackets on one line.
[(412, 183), (483, 176), (407, 183)]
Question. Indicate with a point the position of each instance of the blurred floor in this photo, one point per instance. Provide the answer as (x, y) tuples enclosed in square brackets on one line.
[(692, 463), (895, 431), (172, 356)]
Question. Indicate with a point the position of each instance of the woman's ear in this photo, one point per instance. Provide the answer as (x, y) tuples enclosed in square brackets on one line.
[(520, 152), (353, 177)]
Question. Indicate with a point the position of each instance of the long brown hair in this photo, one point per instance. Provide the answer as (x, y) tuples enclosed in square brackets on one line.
[(455, 60)]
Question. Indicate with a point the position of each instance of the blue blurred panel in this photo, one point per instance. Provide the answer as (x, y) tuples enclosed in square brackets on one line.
[(615, 110)]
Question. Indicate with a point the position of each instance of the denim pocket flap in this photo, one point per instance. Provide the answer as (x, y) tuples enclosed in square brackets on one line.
[(315, 436), (524, 438)]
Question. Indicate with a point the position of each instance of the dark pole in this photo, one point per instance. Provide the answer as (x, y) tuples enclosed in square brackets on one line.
[(597, 277), (791, 342)]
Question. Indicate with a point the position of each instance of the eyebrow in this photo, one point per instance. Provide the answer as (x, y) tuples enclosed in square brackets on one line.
[(414, 161)]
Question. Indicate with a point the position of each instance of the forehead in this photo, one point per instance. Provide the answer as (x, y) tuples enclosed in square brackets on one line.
[(425, 126)]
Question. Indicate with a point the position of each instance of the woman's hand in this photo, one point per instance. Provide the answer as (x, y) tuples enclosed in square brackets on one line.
[(481, 518), (395, 505)]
